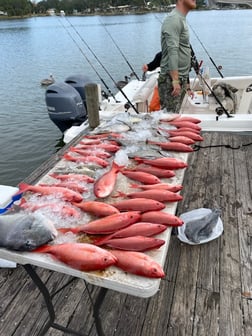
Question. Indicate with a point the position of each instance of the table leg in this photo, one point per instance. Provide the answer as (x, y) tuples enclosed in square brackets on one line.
[(44, 291), (96, 308)]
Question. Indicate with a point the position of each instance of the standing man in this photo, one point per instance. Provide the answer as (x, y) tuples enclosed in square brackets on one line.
[(176, 57)]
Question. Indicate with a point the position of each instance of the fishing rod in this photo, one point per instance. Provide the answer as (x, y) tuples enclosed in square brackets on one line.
[(117, 46), (89, 62), (220, 110), (214, 64), (107, 72)]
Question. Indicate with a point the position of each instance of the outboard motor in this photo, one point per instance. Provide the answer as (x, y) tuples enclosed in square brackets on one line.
[(65, 106), (78, 82)]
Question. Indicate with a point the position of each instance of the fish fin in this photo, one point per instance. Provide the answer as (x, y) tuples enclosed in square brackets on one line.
[(69, 229), (23, 202), (134, 185), (138, 159), (119, 194)]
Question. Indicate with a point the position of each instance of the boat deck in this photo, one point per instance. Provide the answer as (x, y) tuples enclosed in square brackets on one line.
[(207, 289)]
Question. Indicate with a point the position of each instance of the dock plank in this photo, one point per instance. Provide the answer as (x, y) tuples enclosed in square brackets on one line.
[(207, 288)]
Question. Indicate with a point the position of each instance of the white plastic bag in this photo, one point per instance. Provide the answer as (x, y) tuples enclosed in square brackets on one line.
[(196, 215)]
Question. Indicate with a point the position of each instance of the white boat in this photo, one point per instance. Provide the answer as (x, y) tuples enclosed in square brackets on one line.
[(217, 110)]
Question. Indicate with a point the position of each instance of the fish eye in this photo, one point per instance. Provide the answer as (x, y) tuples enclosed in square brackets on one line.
[(28, 244)]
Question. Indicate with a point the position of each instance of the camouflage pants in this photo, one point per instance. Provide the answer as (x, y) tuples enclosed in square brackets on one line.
[(165, 88)]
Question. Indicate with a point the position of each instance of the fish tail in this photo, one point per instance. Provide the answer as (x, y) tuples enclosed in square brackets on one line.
[(67, 157), (23, 187), (103, 240)]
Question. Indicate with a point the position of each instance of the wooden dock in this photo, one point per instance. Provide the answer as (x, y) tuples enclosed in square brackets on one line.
[(207, 289)]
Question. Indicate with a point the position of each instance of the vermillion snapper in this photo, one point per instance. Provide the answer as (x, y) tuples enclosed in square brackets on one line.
[(99, 209), (165, 163), (182, 139), (25, 232), (72, 177), (64, 193), (139, 204), (106, 224), (140, 176), (104, 186), (172, 146), (135, 243), (84, 257), (187, 133), (159, 172), (164, 186), (145, 229), (138, 263), (160, 217), (86, 159), (159, 195)]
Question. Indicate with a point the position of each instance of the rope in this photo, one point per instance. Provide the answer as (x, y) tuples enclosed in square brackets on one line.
[(198, 147)]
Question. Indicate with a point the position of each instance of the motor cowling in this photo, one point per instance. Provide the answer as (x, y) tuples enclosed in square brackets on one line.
[(78, 82), (65, 106)]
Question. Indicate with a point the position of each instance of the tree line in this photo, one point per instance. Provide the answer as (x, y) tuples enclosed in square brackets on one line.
[(31, 7)]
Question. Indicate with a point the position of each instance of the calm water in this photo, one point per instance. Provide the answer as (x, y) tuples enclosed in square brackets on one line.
[(33, 48)]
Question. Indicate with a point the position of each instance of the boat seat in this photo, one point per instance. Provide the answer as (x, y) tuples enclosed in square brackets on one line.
[(245, 105)]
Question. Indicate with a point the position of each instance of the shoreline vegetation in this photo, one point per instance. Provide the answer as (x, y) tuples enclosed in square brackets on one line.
[(106, 13)]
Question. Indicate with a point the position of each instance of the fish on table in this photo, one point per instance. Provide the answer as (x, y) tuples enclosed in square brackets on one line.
[(169, 163), (159, 195), (99, 209), (164, 186), (22, 231), (140, 176), (138, 204), (159, 172), (104, 185), (81, 256), (61, 192), (106, 224), (135, 243), (145, 229), (138, 263)]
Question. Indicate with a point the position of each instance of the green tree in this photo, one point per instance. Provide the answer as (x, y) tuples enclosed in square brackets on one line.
[(16, 7)]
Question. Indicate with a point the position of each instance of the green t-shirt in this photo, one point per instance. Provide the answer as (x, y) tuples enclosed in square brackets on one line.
[(176, 52)]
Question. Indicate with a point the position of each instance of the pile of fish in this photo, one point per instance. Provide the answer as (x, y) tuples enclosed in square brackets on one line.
[(110, 192)]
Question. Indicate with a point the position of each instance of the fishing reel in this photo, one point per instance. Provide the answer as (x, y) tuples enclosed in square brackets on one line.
[(219, 111), (104, 94), (127, 106)]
